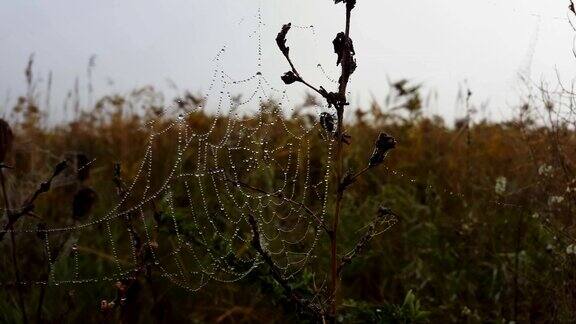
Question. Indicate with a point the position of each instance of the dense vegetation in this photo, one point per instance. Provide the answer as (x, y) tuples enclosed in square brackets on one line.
[(484, 233)]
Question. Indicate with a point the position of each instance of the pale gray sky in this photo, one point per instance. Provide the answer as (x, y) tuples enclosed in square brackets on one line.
[(440, 43)]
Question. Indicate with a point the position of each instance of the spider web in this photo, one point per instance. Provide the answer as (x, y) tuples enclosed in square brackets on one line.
[(189, 221), (186, 215)]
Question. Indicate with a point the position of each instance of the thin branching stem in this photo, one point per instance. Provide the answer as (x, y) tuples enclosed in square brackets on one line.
[(28, 207), (21, 303), (300, 78), (339, 157), (277, 272), (384, 217), (344, 47)]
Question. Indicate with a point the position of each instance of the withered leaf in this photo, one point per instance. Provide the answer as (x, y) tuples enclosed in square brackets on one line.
[(339, 44), (281, 39), (383, 144), (290, 77)]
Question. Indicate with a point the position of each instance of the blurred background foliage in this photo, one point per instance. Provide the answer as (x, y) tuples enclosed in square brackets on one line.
[(485, 231)]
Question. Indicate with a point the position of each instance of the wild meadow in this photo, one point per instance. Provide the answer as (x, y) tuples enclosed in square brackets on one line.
[(483, 234), (318, 212)]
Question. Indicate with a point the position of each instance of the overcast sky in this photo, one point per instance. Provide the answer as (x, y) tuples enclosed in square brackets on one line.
[(439, 43)]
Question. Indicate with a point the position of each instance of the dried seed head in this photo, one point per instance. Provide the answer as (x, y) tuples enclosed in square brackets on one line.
[(6, 139), (383, 144), (84, 200), (327, 122)]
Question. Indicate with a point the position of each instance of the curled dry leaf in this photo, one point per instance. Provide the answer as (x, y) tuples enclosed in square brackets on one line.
[(339, 44), (281, 39), (289, 77), (383, 144), (344, 49)]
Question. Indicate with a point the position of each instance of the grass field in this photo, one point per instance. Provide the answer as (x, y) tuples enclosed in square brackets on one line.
[(484, 231)]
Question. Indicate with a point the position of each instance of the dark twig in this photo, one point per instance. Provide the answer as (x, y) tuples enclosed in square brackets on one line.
[(13, 217), (345, 57), (349, 179), (344, 49), (276, 272), (28, 207), (384, 217), (294, 75)]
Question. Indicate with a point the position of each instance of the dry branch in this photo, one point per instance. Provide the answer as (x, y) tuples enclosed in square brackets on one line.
[(383, 221), (28, 207), (276, 272)]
